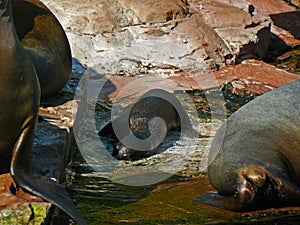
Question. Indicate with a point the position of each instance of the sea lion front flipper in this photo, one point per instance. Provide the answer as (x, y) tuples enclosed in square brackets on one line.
[(285, 190), (220, 201), (38, 185)]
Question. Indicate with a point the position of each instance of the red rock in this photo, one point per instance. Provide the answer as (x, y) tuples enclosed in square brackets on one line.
[(256, 70), (241, 4), (285, 19), (201, 36), (267, 7), (253, 75), (217, 15), (11, 196), (247, 43), (296, 2), (289, 22)]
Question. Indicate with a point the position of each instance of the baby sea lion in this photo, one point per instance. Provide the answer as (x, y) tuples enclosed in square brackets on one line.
[(46, 43), (155, 114), (254, 158), (19, 106)]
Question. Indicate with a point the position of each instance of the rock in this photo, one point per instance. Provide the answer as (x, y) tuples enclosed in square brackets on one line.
[(203, 39), (150, 11), (250, 43), (128, 47), (221, 15), (53, 141), (19, 207), (86, 20), (289, 61), (236, 27), (133, 37), (285, 19), (254, 70), (267, 7), (241, 4), (287, 27), (295, 2), (253, 75)]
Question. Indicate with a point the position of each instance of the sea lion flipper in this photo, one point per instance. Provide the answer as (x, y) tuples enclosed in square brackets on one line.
[(40, 186), (220, 201), (285, 189), (54, 193)]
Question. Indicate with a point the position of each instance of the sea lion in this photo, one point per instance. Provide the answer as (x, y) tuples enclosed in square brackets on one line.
[(19, 106), (254, 158), (142, 119), (45, 41)]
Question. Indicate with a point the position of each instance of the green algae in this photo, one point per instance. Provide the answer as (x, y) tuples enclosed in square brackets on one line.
[(31, 214), (15, 216), (167, 203), (40, 212)]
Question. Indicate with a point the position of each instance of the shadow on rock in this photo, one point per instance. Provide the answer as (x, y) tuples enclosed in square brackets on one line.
[(68, 92), (289, 21)]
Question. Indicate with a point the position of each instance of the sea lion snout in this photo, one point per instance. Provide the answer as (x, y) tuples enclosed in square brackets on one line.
[(246, 192), (250, 182), (122, 152)]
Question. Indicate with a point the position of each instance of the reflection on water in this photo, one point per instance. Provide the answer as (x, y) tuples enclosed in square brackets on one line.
[(98, 198), (104, 194)]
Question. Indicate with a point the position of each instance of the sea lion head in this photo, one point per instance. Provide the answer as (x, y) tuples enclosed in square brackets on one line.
[(254, 188), (123, 152), (262, 187)]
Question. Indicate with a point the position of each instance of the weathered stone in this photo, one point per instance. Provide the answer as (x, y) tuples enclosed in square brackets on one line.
[(51, 150), (242, 4), (267, 7), (149, 11), (88, 18), (134, 50), (295, 2), (203, 39), (285, 19), (254, 75), (247, 43), (221, 15), (256, 70), (237, 28), (19, 207)]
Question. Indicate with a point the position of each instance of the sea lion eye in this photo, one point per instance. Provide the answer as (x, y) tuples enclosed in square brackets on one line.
[(256, 176)]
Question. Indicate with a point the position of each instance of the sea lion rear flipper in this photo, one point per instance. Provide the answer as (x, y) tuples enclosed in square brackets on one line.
[(40, 186)]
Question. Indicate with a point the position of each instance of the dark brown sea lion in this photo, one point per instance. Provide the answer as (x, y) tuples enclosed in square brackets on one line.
[(19, 106), (141, 118), (254, 161), (46, 43)]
